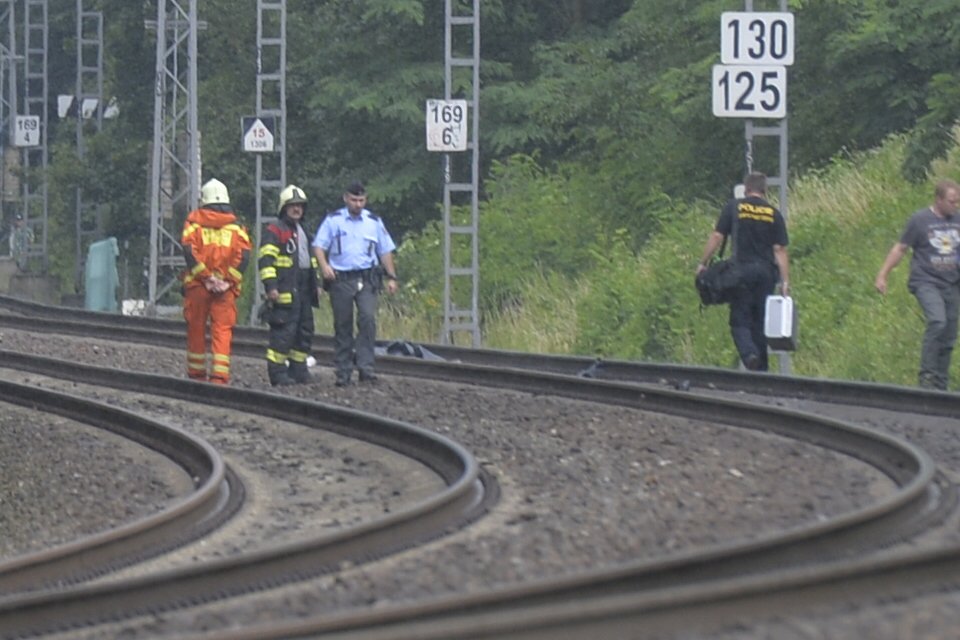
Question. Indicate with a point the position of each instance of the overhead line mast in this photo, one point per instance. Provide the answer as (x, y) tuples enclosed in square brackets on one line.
[(175, 170)]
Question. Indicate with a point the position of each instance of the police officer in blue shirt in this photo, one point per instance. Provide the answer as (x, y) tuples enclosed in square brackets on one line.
[(355, 253)]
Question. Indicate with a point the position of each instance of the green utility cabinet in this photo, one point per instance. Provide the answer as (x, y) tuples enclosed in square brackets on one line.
[(100, 277)]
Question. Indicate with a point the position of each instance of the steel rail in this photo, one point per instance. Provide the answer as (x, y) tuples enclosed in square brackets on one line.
[(467, 495), (252, 342), (214, 498), (693, 608), (919, 500), (847, 534), (609, 601)]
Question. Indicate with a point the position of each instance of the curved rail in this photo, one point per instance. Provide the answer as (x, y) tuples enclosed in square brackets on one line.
[(252, 342), (216, 497), (467, 495), (922, 497)]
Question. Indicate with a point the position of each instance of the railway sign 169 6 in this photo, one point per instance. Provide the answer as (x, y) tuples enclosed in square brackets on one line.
[(446, 125)]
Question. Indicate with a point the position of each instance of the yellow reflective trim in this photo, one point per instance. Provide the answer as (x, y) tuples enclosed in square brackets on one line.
[(268, 273), (225, 368), (200, 268), (189, 229), (237, 229), (197, 362), (276, 356), (222, 237), (314, 263), (237, 275), (221, 357), (297, 356), (285, 298), (284, 262), (269, 250)]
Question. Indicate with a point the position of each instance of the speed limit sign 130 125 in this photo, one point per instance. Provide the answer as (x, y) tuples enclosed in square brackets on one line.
[(747, 91), (764, 38)]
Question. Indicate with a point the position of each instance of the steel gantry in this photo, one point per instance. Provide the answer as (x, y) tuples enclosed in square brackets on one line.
[(23, 148), (461, 254), (34, 157), (778, 132), (175, 175), (271, 103), (10, 175), (89, 112)]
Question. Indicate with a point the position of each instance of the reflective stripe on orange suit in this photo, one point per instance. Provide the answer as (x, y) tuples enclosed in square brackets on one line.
[(219, 244)]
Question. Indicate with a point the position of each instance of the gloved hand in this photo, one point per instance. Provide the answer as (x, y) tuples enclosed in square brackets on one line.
[(214, 284)]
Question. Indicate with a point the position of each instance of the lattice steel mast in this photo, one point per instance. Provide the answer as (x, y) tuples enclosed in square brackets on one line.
[(271, 103), (35, 200), (175, 176), (462, 276), (89, 105)]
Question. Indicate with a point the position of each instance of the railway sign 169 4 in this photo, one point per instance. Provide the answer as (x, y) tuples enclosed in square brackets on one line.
[(26, 131)]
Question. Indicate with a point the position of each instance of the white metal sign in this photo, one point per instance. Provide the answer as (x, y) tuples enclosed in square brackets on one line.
[(26, 131), (446, 125), (764, 38), (744, 91), (258, 134)]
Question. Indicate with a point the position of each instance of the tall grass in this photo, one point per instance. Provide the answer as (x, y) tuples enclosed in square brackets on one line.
[(626, 304), (544, 320)]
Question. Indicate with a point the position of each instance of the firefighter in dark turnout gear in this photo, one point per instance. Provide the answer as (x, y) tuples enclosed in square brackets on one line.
[(289, 275)]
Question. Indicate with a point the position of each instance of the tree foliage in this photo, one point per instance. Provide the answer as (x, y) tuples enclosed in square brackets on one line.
[(611, 97)]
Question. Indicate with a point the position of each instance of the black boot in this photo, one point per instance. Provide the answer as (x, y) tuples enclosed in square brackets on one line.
[(278, 375), (299, 373)]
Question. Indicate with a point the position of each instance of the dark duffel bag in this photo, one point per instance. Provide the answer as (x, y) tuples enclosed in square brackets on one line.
[(717, 283)]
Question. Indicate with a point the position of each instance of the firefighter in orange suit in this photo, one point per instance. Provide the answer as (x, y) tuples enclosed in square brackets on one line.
[(216, 247)]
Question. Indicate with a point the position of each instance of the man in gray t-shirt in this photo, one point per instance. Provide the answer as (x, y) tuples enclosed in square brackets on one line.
[(933, 235)]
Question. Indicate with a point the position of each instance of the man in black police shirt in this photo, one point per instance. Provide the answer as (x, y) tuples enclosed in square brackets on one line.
[(760, 251)]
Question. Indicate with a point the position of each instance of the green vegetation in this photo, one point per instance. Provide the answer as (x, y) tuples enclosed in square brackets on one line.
[(595, 295), (602, 166)]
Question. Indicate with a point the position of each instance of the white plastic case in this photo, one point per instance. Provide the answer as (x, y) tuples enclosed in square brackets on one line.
[(780, 323)]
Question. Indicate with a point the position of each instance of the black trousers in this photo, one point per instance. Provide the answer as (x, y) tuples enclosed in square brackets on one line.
[(291, 326), (748, 308), (349, 292)]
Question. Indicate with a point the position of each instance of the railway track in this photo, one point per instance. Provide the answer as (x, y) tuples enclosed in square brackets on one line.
[(53, 604), (217, 495), (665, 592), (249, 341)]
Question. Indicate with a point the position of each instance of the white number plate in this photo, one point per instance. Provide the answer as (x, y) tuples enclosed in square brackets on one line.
[(756, 38), (743, 91), (446, 125), (26, 131)]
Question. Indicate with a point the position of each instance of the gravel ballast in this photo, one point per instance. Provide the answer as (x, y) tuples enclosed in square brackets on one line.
[(584, 485)]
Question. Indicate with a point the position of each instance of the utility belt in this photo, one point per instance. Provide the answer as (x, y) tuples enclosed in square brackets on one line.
[(372, 277), (355, 274)]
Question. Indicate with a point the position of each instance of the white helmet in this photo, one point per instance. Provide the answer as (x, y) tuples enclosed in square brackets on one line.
[(291, 194), (214, 192)]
